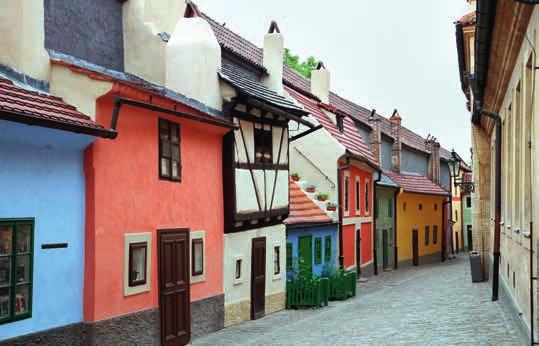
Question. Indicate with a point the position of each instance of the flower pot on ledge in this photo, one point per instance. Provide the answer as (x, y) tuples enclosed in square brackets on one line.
[(310, 189), (331, 208)]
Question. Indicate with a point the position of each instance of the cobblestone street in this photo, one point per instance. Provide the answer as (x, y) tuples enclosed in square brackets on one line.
[(435, 304)]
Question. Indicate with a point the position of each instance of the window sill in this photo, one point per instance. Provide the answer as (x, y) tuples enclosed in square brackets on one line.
[(516, 230), (237, 282), (198, 279), (277, 277), (526, 234)]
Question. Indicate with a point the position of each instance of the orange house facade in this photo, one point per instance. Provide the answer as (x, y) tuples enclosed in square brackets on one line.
[(154, 201)]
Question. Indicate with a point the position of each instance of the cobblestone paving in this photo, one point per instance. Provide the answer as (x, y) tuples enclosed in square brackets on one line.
[(427, 305)]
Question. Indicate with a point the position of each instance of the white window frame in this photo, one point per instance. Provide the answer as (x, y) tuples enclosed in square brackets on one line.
[(130, 238), (197, 235), (239, 280), (346, 208), (277, 276), (357, 188)]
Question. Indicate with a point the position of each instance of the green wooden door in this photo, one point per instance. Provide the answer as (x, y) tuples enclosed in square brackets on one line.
[(305, 251)]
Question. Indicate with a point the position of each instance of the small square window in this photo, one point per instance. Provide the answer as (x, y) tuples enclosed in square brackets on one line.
[(237, 275), (197, 257), (420, 206), (263, 146), (276, 260), (435, 206), (468, 202), (137, 263)]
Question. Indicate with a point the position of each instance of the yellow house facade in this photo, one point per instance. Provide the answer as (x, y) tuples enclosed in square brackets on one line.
[(420, 227)]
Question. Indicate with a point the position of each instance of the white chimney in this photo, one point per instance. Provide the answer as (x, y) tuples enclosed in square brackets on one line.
[(273, 58), (193, 58), (320, 83)]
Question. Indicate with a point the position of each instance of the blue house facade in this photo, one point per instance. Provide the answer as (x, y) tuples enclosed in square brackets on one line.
[(42, 210), (311, 235)]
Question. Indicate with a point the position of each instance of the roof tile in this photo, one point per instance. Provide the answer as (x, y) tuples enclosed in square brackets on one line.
[(415, 183), (303, 209)]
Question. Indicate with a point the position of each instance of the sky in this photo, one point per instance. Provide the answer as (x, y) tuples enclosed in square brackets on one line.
[(382, 54)]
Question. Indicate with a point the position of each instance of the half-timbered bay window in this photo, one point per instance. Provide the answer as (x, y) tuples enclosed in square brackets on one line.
[(263, 144), (16, 258), (137, 255), (169, 150)]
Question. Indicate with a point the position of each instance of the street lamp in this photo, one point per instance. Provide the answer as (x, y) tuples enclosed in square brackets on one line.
[(454, 170)]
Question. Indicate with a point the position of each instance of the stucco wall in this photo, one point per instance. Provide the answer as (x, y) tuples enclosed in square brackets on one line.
[(413, 161), (90, 30), (413, 218), (126, 196), (293, 235), (41, 176)]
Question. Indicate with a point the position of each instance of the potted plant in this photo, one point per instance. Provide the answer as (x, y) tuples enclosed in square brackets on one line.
[(330, 206), (295, 176), (310, 188), (322, 196)]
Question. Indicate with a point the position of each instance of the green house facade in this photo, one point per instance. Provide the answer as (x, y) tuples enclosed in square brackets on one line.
[(466, 205), (385, 223)]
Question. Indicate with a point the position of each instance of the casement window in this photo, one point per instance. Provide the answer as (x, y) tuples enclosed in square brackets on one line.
[(317, 250), (420, 206), (238, 270), (346, 194), (137, 256), (169, 151), (389, 208), (435, 206), (340, 123), (456, 215), (427, 231), (327, 248), (404, 206), (435, 234), (357, 195), (198, 256), (276, 260), (263, 144), (288, 256), (468, 202), (16, 272), (367, 196)]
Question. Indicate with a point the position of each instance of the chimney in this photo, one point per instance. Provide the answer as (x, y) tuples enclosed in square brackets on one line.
[(320, 83), (432, 145), (193, 58), (376, 136), (273, 58), (396, 133), (23, 37)]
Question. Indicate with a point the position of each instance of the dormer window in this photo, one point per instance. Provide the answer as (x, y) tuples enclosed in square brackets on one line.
[(263, 145), (340, 123)]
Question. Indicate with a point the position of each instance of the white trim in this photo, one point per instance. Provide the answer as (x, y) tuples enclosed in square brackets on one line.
[(346, 208), (130, 238), (239, 280), (197, 235), (356, 220), (277, 276)]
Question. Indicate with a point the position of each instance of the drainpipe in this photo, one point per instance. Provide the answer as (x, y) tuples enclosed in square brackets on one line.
[(340, 170), (497, 200), (444, 231), (374, 230), (450, 223)]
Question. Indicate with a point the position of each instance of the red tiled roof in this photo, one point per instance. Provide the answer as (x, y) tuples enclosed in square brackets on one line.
[(467, 177), (415, 183), (467, 19), (302, 209), (252, 54), (50, 111), (350, 138)]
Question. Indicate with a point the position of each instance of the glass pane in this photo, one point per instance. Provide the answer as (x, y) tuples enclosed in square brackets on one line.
[(22, 268), (23, 238), (174, 135), (6, 234), (22, 299), (138, 264), (164, 167), (5, 271), (238, 269), (175, 152), (4, 302), (199, 254), (175, 169), (163, 130), (165, 149)]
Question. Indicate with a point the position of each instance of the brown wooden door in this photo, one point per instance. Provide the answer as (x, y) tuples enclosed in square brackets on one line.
[(258, 278), (358, 252), (174, 299), (415, 246)]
